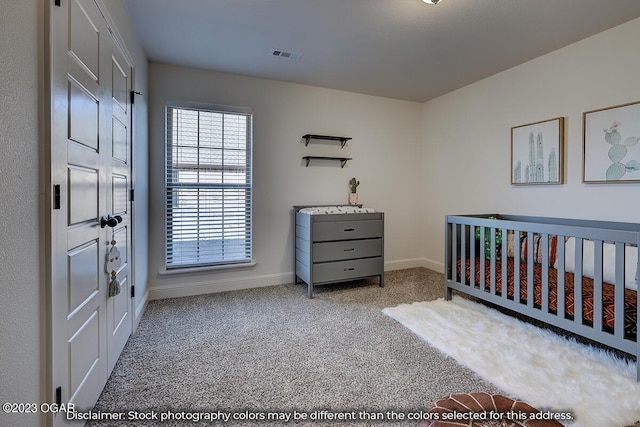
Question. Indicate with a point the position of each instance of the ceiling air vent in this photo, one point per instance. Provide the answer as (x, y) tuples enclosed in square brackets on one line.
[(285, 54)]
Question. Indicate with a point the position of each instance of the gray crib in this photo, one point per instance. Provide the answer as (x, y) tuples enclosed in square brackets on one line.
[(578, 275)]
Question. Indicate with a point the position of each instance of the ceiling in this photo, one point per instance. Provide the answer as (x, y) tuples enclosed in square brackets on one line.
[(402, 49)]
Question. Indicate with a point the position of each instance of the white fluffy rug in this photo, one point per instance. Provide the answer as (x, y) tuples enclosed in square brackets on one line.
[(529, 363)]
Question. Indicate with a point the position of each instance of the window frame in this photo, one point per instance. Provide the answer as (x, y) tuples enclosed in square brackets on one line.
[(221, 264)]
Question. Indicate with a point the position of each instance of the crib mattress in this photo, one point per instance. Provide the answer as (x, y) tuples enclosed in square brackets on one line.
[(608, 296)]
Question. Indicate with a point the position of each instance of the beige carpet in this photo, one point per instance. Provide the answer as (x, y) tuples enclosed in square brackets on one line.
[(246, 353)]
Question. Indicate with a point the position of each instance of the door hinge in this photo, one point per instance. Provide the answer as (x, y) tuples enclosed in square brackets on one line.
[(57, 2), (59, 396), (133, 94), (131, 195), (133, 291), (56, 196)]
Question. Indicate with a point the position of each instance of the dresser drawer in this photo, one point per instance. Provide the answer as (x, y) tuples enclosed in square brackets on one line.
[(346, 230), (347, 249), (345, 270)]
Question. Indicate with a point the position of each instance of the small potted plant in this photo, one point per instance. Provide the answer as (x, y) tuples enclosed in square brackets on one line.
[(353, 195)]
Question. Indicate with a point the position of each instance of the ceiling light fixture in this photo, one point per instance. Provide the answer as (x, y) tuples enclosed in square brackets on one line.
[(432, 1)]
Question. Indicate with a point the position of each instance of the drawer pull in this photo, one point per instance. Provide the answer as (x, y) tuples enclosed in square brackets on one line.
[(349, 250), (349, 269), (349, 229)]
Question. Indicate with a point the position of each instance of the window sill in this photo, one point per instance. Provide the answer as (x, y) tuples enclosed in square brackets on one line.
[(191, 270)]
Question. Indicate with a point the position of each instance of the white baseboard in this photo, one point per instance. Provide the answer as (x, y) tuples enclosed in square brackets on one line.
[(139, 310), (413, 263), (212, 286), (402, 264), (433, 265)]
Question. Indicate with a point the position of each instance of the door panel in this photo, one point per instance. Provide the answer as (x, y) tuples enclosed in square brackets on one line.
[(87, 351), (90, 146), (119, 205), (120, 141), (85, 361), (120, 310), (120, 83), (86, 344), (121, 235), (83, 195), (119, 313), (84, 37), (83, 116), (84, 275)]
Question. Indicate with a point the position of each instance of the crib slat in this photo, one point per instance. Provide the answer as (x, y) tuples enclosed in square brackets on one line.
[(560, 274), (577, 283), (504, 263), (472, 256), (483, 268), (463, 252), (454, 250), (448, 265), (516, 266), (492, 261), (597, 285), (618, 321), (545, 273), (530, 269)]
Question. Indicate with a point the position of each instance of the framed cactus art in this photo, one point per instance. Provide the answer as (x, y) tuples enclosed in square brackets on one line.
[(611, 150), (537, 152)]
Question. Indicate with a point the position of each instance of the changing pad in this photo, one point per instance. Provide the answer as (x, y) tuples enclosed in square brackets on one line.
[(321, 210)]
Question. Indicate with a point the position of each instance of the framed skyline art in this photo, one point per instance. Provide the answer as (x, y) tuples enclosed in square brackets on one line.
[(537, 153), (611, 149)]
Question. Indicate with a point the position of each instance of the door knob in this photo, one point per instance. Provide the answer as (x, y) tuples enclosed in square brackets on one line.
[(110, 220)]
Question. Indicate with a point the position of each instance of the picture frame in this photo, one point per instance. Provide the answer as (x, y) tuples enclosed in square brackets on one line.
[(537, 153), (611, 144)]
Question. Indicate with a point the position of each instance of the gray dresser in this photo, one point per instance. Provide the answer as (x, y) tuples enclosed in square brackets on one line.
[(331, 248)]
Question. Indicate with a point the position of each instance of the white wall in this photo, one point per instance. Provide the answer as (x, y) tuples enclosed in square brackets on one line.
[(467, 136), (21, 294), (23, 359), (386, 150)]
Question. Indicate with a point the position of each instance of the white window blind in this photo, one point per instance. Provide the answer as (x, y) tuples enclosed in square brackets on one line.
[(208, 187)]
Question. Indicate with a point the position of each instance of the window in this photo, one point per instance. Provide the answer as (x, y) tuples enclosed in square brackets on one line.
[(208, 186)]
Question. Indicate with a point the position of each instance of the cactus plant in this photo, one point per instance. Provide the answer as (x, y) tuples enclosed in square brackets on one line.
[(487, 240), (618, 151), (353, 184)]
